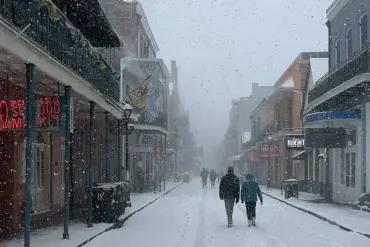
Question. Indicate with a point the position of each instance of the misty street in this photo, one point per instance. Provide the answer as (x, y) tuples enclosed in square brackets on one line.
[(193, 216)]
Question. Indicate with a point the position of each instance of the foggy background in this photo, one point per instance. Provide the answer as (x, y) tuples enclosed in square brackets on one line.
[(223, 46)]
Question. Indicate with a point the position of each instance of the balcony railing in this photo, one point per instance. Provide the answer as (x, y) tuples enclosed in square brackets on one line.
[(355, 65), (45, 24), (160, 121)]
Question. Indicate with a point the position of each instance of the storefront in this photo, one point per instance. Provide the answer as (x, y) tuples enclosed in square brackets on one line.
[(337, 141)]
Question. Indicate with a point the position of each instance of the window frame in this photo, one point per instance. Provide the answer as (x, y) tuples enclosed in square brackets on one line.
[(349, 42), (360, 29), (337, 51)]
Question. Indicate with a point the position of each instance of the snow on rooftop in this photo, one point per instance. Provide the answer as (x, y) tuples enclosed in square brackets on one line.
[(319, 67), (288, 83)]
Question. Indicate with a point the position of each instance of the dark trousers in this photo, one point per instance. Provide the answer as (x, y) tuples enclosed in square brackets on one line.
[(204, 183), (251, 209)]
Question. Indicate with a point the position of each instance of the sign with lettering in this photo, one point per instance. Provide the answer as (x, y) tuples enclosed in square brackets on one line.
[(49, 115), (295, 142), (269, 151)]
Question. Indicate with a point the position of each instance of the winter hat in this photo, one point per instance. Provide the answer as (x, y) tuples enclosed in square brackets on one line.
[(249, 176)]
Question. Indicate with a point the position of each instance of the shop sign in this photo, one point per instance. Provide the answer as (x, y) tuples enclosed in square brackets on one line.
[(272, 149), (49, 114), (295, 142), (252, 157)]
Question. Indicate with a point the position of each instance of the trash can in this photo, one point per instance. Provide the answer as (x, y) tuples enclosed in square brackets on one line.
[(107, 202), (291, 188), (186, 178)]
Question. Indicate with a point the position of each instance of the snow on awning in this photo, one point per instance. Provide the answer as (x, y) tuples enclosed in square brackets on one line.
[(300, 156)]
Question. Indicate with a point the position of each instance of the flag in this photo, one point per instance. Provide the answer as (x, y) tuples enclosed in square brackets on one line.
[(137, 98)]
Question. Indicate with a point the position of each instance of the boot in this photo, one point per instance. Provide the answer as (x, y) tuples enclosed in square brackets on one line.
[(254, 221), (249, 223)]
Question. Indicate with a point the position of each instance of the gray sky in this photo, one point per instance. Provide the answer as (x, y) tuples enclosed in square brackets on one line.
[(223, 46)]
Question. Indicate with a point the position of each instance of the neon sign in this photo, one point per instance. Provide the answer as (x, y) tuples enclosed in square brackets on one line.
[(49, 114)]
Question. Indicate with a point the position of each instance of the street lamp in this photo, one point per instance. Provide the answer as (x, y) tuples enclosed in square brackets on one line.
[(127, 130), (269, 164)]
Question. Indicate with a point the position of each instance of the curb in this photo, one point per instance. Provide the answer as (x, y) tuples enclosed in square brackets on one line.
[(120, 222), (317, 216)]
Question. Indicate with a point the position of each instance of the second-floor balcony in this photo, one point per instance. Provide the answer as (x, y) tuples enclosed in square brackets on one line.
[(159, 121), (356, 65), (46, 26)]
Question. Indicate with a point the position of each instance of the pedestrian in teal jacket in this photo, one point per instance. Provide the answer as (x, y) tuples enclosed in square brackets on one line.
[(249, 193)]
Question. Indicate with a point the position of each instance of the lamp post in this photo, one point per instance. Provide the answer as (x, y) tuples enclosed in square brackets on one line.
[(127, 130), (269, 164), (176, 146)]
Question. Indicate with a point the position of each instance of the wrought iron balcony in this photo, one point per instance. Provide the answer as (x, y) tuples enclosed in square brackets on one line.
[(355, 65), (45, 24), (160, 121)]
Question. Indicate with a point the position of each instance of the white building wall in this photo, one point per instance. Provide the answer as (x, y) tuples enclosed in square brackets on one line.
[(342, 193)]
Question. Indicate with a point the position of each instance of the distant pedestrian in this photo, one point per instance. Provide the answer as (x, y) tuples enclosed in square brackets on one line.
[(212, 177), (249, 193), (204, 176), (229, 192)]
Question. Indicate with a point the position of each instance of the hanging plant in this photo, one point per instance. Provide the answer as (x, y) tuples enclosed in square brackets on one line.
[(53, 11)]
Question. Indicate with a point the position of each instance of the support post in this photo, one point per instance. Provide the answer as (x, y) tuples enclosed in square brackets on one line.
[(67, 159), (91, 164), (165, 162), (269, 168), (119, 162), (30, 112), (106, 170), (127, 163)]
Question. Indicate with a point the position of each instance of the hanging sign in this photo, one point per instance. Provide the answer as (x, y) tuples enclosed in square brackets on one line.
[(48, 116), (294, 142), (269, 151)]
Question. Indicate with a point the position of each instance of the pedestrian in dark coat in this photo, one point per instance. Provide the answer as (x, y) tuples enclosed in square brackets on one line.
[(249, 193), (229, 192), (204, 176), (212, 177)]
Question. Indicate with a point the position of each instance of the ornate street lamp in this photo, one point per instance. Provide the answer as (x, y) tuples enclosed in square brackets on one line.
[(128, 128), (269, 164)]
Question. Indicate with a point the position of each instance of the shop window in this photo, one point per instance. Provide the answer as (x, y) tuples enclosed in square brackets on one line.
[(351, 138), (348, 158), (40, 178), (353, 169)]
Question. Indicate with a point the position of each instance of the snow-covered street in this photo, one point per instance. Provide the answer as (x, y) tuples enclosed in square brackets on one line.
[(191, 216)]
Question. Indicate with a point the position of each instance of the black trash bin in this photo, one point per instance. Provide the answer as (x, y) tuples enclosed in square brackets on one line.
[(107, 202), (291, 188)]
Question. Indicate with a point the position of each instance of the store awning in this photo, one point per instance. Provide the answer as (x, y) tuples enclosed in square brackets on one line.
[(332, 119), (300, 156)]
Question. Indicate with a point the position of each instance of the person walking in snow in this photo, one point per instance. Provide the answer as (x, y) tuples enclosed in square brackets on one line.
[(212, 177), (249, 193), (229, 192), (204, 176)]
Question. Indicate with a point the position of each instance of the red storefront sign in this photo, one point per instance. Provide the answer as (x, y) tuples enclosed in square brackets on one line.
[(274, 151), (48, 115), (252, 157)]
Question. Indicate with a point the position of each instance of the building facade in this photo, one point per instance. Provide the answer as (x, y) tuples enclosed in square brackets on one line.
[(82, 87), (276, 124), (336, 115)]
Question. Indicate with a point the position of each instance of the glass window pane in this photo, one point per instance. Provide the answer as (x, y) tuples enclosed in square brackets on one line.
[(347, 168), (353, 169)]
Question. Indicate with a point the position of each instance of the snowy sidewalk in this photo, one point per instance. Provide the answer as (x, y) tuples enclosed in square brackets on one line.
[(343, 216), (79, 233)]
